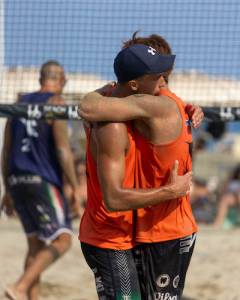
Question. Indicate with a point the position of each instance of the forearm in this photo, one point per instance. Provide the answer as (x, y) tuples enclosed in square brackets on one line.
[(6, 154), (5, 171), (65, 158), (96, 108), (128, 199)]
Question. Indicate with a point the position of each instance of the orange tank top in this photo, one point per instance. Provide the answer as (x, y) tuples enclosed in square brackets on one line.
[(99, 227), (171, 219)]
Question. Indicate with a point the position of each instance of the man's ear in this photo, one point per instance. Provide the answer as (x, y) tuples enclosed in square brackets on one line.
[(162, 82), (133, 85)]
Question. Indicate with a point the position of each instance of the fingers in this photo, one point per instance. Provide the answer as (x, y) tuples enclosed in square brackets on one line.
[(197, 116), (175, 169), (107, 89), (197, 121), (188, 182), (189, 176), (190, 173)]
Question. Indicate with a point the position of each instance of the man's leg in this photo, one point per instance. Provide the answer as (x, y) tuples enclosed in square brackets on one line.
[(114, 271), (164, 266), (43, 259), (43, 211), (34, 247), (227, 201)]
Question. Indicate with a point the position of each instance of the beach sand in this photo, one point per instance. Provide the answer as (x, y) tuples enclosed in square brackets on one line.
[(214, 272)]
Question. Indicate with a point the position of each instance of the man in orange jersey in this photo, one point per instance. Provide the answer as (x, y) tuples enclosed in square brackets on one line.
[(166, 232), (107, 236)]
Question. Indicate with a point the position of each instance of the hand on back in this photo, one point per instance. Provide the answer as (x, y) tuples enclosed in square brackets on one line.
[(195, 114), (181, 183)]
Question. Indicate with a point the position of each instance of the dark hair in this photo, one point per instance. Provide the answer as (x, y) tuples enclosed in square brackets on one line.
[(154, 40), (46, 72)]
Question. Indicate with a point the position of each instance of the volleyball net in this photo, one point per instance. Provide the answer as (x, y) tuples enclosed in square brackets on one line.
[(85, 36), (70, 112)]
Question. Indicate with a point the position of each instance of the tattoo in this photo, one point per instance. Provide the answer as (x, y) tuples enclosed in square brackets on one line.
[(54, 252), (60, 155)]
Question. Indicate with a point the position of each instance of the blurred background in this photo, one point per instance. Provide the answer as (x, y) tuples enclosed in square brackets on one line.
[(84, 36)]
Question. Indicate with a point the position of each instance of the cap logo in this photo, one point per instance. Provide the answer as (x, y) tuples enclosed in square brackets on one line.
[(152, 50)]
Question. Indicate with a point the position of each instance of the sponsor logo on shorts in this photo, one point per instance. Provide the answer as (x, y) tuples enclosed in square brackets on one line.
[(186, 243), (99, 284), (24, 179), (163, 280), (98, 281), (164, 296), (176, 281)]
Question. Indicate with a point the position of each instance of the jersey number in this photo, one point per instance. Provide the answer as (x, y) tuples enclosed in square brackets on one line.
[(31, 132)]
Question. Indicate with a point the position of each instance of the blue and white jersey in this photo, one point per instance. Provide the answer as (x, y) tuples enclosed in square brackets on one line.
[(32, 145)]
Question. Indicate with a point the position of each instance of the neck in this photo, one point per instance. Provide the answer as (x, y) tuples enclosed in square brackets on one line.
[(49, 89), (165, 88), (121, 91)]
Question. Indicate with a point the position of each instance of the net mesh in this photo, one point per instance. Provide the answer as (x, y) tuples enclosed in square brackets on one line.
[(85, 36)]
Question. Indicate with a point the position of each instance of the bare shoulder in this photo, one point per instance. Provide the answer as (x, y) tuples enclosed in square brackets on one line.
[(110, 126), (111, 133)]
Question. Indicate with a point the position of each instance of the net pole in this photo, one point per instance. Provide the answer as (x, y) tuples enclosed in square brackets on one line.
[(2, 47), (2, 61)]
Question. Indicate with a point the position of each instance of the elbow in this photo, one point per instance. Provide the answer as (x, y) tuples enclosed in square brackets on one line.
[(111, 208), (85, 111), (63, 154), (114, 203), (111, 204)]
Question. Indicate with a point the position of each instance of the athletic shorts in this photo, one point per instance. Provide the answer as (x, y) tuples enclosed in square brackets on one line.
[(162, 267), (115, 273), (41, 207)]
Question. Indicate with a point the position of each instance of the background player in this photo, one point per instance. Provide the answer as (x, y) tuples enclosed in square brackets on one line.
[(35, 156)]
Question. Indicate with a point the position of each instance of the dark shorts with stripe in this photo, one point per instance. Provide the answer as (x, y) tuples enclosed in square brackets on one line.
[(41, 207), (115, 273), (162, 267)]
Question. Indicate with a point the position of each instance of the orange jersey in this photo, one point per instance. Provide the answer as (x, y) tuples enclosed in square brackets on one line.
[(171, 219), (99, 227)]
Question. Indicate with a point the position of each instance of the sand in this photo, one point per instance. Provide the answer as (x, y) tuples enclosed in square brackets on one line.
[(213, 275)]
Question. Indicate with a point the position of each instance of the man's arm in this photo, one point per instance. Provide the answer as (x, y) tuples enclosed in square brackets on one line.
[(64, 152), (111, 150), (95, 108), (6, 203), (5, 154), (65, 158)]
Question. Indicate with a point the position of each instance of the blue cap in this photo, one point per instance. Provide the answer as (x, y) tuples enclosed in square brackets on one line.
[(138, 60)]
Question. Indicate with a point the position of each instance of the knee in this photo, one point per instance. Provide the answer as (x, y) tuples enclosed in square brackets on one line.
[(63, 243)]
